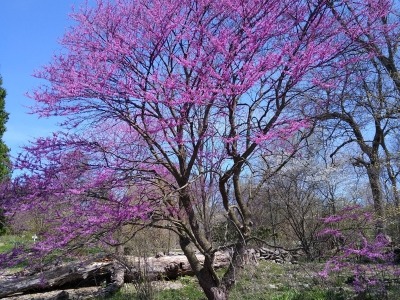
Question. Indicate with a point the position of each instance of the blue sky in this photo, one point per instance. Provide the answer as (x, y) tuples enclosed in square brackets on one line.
[(29, 35)]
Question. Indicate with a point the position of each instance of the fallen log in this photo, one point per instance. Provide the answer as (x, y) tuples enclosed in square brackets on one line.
[(167, 267), (81, 294), (71, 275), (110, 273)]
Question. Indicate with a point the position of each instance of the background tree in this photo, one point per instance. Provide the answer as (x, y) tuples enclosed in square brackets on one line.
[(4, 157), (365, 112), (374, 27), (362, 97)]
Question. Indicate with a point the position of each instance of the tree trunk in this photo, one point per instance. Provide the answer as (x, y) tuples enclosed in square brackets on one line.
[(376, 189), (219, 289), (117, 274), (393, 182), (205, 271), (212, 289)]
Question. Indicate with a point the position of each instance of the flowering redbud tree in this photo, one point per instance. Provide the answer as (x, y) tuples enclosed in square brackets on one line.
[(374, 27), (153, 91), (364, 256)]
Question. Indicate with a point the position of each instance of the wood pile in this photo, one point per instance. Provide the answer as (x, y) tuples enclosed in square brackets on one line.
[(278, 255)]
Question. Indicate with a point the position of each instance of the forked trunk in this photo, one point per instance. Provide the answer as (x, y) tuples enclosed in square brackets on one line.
[(216, 289), (213, 287), (210, 284), (218, 294), (213, 292)]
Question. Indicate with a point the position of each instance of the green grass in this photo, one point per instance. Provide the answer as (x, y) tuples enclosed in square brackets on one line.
[(267, 281), (271, 281), (314, 294), (125, 293), (189, 291), (8, 242), (192, 292)]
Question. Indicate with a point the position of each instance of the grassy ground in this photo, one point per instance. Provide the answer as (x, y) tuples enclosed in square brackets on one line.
[(267, 281), (8, 242)]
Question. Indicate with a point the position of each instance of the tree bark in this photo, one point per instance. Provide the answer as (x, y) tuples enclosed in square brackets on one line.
[(117, 274), (205, 271), (376, 189)]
